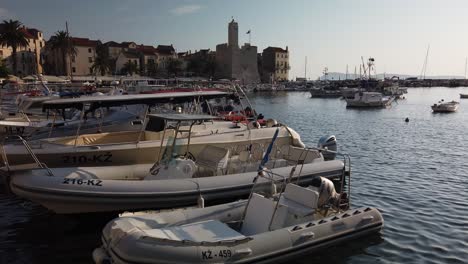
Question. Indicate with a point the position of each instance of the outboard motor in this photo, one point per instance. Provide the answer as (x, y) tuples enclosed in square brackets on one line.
[(327, 142)]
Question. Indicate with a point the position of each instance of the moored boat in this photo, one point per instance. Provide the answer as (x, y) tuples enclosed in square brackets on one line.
[(463, 95), (267, 228), (445, 107), (182, 172), (369, 100)]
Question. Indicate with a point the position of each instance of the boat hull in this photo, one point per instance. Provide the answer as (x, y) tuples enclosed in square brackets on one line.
[(80, 190), (142, 152), (128, 239)]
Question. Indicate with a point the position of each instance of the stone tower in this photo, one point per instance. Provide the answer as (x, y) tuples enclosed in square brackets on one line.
[(233, 33)]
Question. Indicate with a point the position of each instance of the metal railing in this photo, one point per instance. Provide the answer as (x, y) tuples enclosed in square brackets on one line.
[(31, 153)]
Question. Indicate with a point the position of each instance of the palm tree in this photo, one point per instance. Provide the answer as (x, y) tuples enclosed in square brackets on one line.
[(61, 42), (12, 35), (130, 68), (102, 61)]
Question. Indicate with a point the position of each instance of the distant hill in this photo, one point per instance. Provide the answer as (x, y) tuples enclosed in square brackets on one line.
[(342, 76)]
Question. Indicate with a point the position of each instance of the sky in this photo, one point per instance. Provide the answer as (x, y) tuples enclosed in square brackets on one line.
[(330, 33)]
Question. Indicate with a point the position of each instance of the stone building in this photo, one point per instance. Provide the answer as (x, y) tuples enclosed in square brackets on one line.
[(234, 62), (28, 58), (275, 64)]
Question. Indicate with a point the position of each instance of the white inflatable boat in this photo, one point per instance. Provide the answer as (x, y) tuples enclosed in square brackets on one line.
[(179, 177), (295, 222), (133, 187)]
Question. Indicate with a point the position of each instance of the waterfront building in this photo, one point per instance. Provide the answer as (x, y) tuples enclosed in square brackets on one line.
[(234, 62), (275, 64), (79, 64), (82, 62), (165, 54), (28, 58)]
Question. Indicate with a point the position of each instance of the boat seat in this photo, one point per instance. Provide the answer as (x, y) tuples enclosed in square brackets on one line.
[(258, 215), (205, 231), (300, 200), (213, 159)]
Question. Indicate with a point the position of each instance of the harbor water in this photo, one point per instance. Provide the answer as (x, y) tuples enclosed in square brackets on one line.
[(415, 172)]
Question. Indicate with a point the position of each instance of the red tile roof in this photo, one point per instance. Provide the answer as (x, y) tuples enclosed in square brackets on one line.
[(27, 34), (86, 42), (146, 49)]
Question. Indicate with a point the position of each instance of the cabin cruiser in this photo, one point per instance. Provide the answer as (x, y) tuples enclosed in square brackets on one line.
[(272, 226), (445, 107), (369, 100), (217, 166)]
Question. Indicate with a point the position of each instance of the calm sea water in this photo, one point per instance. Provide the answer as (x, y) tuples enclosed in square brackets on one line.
[(416, 173)]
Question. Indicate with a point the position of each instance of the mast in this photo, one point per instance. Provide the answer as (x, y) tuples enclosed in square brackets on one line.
[(68, 47), (424, 68), (466, 63), (355, 73), (305, 68), (346, 78)]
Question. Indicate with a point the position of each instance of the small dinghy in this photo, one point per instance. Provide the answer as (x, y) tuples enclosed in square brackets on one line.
[(445, 107), (178, 178), (463, 96), (267, 228)]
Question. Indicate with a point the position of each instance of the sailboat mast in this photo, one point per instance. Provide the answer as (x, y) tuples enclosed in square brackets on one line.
[(68, 51), (346, 78), (466, 63), (305, 68), (423, 71)]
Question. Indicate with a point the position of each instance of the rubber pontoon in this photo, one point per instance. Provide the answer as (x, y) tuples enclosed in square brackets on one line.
[(296, 222)]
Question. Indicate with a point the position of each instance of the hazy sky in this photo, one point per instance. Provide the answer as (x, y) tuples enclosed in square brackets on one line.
[(330, 33)]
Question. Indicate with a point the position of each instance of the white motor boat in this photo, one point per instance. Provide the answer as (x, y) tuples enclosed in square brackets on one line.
[(269, 227), (369, 100), (445, 107), (126, 146), (214, 169)]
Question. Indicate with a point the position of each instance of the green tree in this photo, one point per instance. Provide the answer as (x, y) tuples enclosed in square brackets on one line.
[(102, 62), (151, 68), (13, 36), (61, 43), (130, 68), (174, 66), (4, 71)]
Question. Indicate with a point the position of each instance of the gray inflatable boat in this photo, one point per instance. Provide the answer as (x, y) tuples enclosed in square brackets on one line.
[(262, 229)]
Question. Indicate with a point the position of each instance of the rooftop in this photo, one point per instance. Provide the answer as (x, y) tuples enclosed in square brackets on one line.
[(165, 49), (275, 49), (85, 42)]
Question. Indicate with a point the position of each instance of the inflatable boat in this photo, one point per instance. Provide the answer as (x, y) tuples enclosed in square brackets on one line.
[(263, 229), (133, 187)]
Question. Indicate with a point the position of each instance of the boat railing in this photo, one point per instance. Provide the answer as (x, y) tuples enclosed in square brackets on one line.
[(31, 153), (345, 178), (283, 180)]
